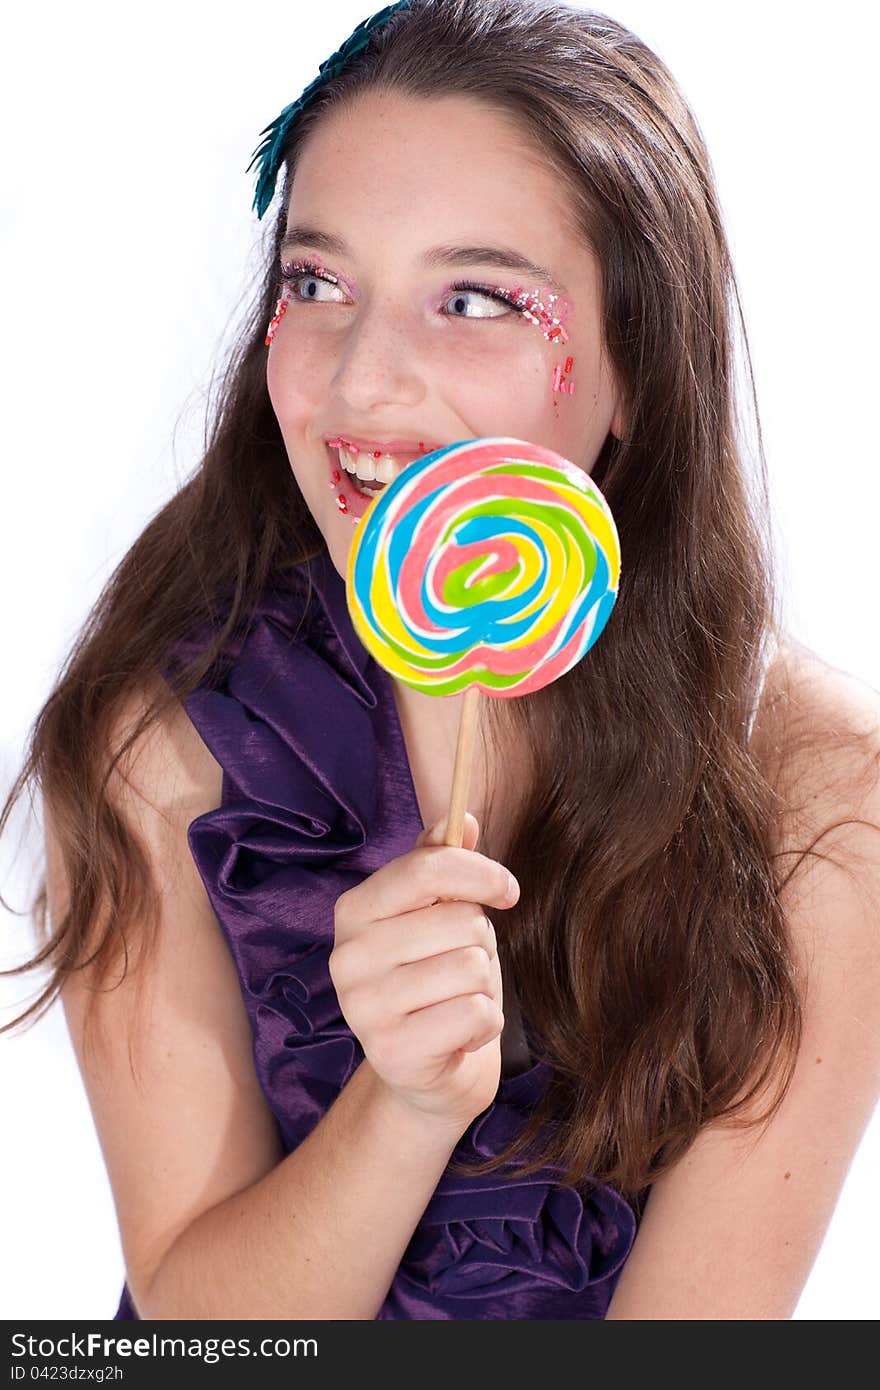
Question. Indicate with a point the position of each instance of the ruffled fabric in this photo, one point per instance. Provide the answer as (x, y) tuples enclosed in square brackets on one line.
[(317, 794), (504, 1246)]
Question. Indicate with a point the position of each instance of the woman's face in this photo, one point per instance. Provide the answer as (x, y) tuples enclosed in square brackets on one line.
[(398, 204)]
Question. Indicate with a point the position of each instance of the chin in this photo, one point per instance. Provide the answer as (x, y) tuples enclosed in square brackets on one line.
[(338, 549)]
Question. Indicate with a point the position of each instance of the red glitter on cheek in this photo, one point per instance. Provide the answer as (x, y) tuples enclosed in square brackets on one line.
[(341, 503), (559, 375), (546, 311), (280, 311)]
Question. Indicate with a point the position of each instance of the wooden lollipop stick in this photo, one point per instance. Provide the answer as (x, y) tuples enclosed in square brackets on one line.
[(462, 775)]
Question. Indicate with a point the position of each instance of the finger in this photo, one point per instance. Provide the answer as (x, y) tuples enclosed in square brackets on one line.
[(445, 926), (496, 990), (436, 834), (466, 970), (421, 878), (463, 1024), (368, 957)]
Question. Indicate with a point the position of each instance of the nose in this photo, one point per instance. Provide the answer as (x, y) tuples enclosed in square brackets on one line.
[(379, 363)]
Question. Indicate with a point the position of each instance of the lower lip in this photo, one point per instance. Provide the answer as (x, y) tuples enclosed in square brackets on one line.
[(356, 501)]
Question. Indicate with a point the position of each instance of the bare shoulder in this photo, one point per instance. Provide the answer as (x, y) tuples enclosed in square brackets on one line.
[(163, 778), (817, 739), (818, 732), (732, 1230), (167, 767), (168, 1070)]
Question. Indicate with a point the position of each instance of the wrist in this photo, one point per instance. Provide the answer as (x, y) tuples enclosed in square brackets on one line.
[(414, 1125)]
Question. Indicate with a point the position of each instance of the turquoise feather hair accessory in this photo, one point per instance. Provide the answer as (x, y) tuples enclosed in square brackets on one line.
[(270, 152)]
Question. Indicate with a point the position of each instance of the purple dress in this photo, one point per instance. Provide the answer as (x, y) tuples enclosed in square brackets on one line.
[(317, 794)]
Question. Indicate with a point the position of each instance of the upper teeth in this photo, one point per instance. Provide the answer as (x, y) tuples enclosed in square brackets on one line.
[(383, 469)]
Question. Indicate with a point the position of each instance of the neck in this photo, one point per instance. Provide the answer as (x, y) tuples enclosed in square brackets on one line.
[(430, 725)]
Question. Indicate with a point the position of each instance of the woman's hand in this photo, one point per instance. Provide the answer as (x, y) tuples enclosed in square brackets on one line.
[(415, 967)]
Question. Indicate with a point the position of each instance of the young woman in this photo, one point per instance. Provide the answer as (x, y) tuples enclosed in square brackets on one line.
[(601, 1061)]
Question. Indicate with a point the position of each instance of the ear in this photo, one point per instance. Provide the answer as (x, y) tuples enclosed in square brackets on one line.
[(618, 420), (617, 423)]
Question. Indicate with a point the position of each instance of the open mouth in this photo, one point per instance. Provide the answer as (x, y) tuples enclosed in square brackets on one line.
[(362, 474)]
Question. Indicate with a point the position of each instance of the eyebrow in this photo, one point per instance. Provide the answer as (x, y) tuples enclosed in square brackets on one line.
[(447, 255)]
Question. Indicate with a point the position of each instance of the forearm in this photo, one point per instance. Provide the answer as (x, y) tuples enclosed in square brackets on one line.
[(323, 1233)]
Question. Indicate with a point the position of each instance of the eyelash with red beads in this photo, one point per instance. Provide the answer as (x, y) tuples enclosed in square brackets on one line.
[(291, 271), (502, 296)]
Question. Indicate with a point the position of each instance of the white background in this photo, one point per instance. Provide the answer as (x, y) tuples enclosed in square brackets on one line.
[(127, 236)]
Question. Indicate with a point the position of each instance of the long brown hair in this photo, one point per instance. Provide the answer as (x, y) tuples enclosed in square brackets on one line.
[(649, 952)]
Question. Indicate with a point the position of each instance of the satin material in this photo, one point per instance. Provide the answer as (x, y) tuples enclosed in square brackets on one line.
[(317, 793)]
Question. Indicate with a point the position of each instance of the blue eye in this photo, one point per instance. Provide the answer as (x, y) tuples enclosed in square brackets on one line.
[(464, 290), (300, 274)]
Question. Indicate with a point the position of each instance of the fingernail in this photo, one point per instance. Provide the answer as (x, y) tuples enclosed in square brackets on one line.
[(512, 889)]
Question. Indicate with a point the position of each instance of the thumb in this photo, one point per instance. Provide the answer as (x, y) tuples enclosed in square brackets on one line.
[(436, 834)]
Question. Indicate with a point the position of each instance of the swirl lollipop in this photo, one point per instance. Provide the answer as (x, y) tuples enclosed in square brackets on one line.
[(490, 564)]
